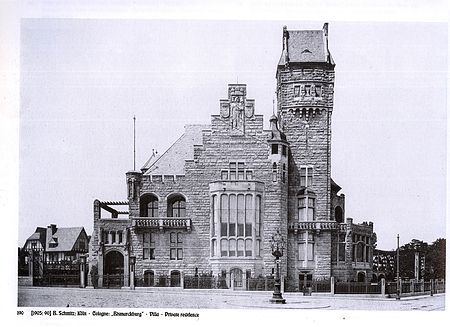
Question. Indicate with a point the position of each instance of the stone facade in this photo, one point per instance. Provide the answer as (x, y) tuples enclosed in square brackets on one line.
[(212, 202)]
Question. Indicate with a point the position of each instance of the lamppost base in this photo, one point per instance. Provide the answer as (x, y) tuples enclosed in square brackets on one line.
[(279, 300)]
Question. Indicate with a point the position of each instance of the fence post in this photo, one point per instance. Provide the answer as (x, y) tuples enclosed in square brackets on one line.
[(282, 284), (265, 283), (432, 287), (383, 286), (132, 272), (82, 271), (332, 285)]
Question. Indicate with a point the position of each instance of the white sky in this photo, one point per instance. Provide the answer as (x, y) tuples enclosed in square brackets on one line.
[(83, 80)]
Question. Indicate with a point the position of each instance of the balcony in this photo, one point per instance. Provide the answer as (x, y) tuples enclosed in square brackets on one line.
[(316, 225), (161, 223)]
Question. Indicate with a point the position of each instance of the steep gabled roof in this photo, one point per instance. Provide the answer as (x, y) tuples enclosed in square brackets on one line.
[(307, 46), (172, 161), (38, 235), (65, 238)]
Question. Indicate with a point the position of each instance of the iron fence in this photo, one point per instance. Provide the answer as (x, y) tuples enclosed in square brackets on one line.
[(113, 280), (260, 284), (357, 288), (60, 280)]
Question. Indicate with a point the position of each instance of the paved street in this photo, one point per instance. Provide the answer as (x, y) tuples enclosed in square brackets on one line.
[(213, 299)]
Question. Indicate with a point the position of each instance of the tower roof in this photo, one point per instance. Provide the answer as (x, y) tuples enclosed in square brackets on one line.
[(306, 46)]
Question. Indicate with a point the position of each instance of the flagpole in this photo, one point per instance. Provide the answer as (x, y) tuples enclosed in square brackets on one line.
[(134, 143)]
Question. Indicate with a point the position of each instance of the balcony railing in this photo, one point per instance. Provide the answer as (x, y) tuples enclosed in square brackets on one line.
[(315, 225), (161, 223)]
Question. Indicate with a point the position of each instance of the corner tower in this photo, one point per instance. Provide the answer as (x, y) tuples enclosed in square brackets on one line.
[(305, 83)]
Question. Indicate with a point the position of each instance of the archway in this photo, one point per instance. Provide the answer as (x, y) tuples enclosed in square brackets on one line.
[(113, 269), (236, 275), (175, 280), (361, 277), (149, 278), (380, 277)]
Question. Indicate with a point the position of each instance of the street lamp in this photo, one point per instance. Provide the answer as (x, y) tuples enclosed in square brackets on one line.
[(277, 245)]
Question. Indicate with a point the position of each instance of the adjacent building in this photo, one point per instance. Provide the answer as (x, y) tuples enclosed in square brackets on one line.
[(212, 202), (53, 250)]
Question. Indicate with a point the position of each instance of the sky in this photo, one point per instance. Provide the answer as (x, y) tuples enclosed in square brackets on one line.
[(83, 80)]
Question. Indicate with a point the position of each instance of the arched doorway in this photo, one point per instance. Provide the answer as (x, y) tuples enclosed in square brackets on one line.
[(236, 276), (380, 277), (149, 278), (338, 215), (361, 277), (113, 269), (175, 280)]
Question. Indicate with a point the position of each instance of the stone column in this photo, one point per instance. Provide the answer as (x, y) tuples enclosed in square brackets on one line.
[(126, 269), (132, 272), (83, 271), (100, 269)]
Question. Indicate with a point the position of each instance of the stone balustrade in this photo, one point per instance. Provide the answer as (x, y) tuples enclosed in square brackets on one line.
[(315, 225), (161, 222)]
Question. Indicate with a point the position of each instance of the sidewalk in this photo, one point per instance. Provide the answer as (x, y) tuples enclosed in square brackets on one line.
[(214, 299)]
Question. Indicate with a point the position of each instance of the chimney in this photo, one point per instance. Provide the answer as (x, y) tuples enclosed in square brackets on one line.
[(52, 228)]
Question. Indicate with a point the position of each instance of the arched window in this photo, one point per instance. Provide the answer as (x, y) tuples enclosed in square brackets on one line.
[(361, 277), (338, 215), (149, 278), (175, 278), (176, 206), (148, 206)]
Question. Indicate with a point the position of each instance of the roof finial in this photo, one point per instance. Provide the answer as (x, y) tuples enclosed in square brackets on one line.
[(273, 105)]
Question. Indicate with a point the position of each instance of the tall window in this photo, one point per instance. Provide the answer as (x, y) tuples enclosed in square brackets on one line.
[(176, 206), (238, 220), (176, 246), (341, 247), (306, 176), (274, 172), (306, 246), (306, 208), (148, 246), (148, 206)]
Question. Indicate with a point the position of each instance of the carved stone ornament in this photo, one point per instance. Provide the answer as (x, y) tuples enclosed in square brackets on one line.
[(249, 109), (225, 110)]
